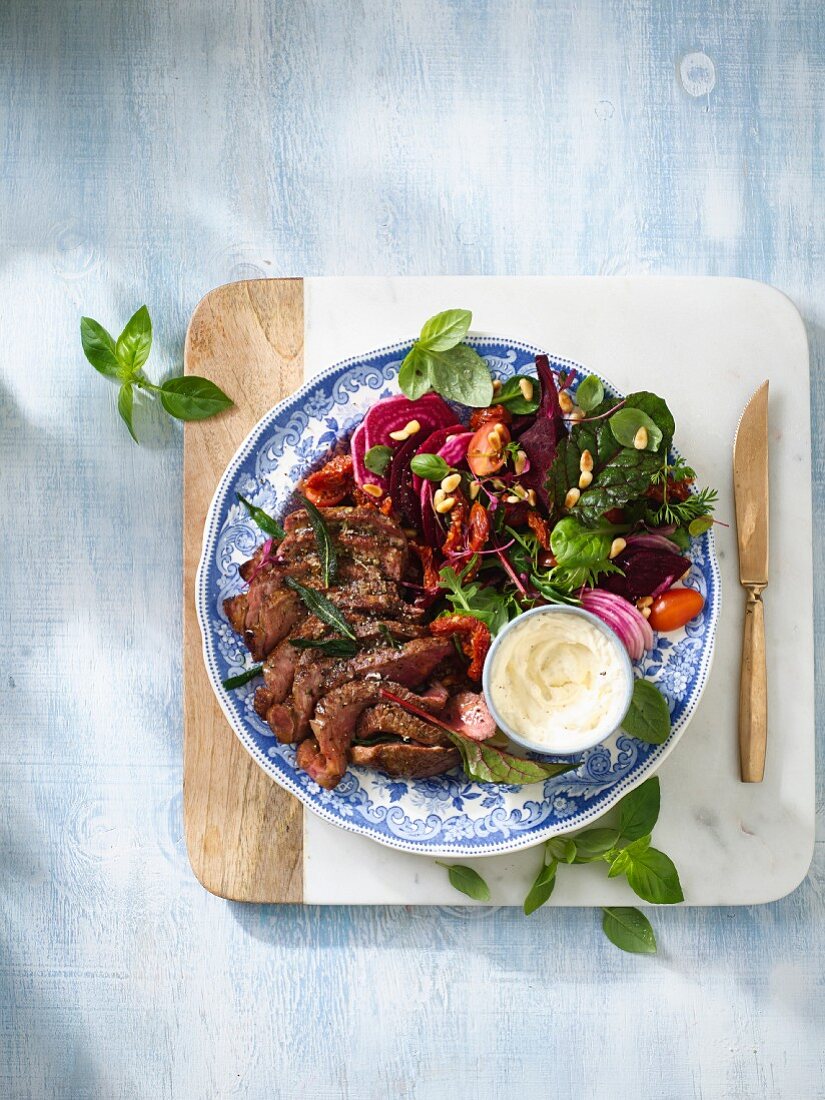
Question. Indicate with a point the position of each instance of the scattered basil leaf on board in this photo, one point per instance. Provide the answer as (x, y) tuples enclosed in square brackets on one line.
[(378, 458), (263, 519), (590, 393), (323, 541), (639, 810), (629, 929), (330, 647), (443, 331), (512, 398), (430, 467), (439, 361), (652, 875), (321, 607), (626, 424), (541, 889), (592, 844), (559, 848), (243, 677), (648, 718), (122, 360), (467, 881), (486, 764)]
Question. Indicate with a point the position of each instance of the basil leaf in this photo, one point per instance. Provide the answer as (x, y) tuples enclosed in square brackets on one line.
[(593, 844), (378, 458), (653, 876), (430, 467), (467, 881), (560, 848), (461, 375), (619, 863), (125, 404), (323, 542), (639, 810), (445, 330), (193, 398), (590, 393), (415, 374), (541, 889), (263, 519), (624, 478), (330, 647), (135, 342), (698, 526), (99, 349), (626, 423), (243, 677), (487, 764), (321, 607), (648, 718), (629, 930), (511, 397)]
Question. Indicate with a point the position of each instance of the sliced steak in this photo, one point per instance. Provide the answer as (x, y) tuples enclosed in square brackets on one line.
[(235, 608), (275, 616), (406, 761), (360, 534), (289, 721), (391, 718)]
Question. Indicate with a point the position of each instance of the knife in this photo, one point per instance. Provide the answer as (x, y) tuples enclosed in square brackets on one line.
[(750, 488)]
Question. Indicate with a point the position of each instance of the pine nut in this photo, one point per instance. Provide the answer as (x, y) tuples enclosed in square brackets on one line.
[(494, 438), (586, 461), (413, 428), (577, 415), (520, 492), (438, 496), (616, 547), (519, 462), (685, 575), (640, 438), (511, 498), (572, 498), (497, 384), (531, 497), (475, 489), (399, 436), (526, 387), (445, 505), (646, 612), (565, 402), (373, 490), (645, 601), (451, 482), (585, 478)]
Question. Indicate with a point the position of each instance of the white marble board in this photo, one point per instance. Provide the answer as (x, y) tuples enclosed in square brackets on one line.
[(705, 344)]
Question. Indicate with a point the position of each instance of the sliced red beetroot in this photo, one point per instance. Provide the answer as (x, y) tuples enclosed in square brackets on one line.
[(404, 497), (454, 450), (539, 442), (468, 714), (392, 414), (432, 444), (647, 572)]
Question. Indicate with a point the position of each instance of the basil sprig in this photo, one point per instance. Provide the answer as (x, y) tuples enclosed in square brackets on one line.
[(323, 541), (185, 398), (629, 929), (323, 608), (430, 467), (439, 361), (263, 519)]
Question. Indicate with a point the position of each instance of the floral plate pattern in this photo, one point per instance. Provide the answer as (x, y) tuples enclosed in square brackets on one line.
[(448, 814)]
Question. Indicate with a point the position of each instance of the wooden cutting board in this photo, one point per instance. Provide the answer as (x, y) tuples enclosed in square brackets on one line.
[(244, 833)]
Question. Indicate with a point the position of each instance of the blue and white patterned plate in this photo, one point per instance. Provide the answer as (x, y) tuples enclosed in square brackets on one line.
[(445, 815)]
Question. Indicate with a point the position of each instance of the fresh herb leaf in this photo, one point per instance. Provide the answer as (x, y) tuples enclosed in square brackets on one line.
[(487, 764), (559, 848), (590, 393), (388, 635), (415, 374), (378, 458), (461, 375), (430, 467), (135, 342), (445, 330), (467, 881), (323, 542), (624, 478), (648, 718), (593, 844), (541, 889), (629, 929), (99, 349), (639, 810), (243, 677), (625, 425), (511, 397), (685, 512), (489, 603), (125, 404), (193, 398), (330, 647), (263, 519), (653, 876), (698, 526), (321, 607)]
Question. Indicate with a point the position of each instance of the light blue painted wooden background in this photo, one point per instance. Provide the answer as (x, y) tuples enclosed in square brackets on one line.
[(151, 150)]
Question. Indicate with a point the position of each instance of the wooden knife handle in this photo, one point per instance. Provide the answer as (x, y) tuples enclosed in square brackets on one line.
[(753, 691)]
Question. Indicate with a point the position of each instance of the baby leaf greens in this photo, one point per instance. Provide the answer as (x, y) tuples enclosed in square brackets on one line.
[(625, 424), (648, 718), (511, 395), (185, 398), (439, 361), (590, 393), (487, 764)]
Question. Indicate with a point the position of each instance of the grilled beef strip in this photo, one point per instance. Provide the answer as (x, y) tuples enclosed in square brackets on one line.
[(391, 718), (403, 761)]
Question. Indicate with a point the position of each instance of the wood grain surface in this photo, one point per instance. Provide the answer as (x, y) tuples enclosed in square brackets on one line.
[(243, 831)]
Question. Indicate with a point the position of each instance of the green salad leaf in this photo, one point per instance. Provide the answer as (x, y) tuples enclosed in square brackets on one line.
[(378, 458), (487, 764), (511, 397), (590, 393), (648, 718), (625, 424)]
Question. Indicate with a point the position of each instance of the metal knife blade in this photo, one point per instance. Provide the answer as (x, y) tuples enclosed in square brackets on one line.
[(750, 488)]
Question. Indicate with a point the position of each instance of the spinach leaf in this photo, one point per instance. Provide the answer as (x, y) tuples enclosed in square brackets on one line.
[(323, 608), (648, 718), (487, 764), (626, 423), (467, 881), (378, 458), (511, 397), (192, 398), (629, 929), (658, 412), (323, 542), (541, 889), (639, 810), (652, 875), (590, 393), (263, 519)]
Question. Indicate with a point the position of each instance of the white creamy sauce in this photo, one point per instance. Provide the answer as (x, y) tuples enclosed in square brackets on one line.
[(556, 678)]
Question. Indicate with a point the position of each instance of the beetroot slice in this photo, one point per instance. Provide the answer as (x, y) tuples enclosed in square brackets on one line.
[(434, 441), (404, 497), (539, 442), (647, 572), (392, 414)]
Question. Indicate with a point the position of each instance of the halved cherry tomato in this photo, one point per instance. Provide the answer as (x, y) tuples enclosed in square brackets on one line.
[(486, 454), (675, 608)]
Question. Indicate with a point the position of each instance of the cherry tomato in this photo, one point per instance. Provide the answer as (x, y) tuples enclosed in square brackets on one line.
[(675, 608), (486, 454)]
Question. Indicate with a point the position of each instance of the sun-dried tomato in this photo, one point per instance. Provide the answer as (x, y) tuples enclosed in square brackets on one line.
[(540, 528), (676, 490), (331, 484), (479, 531), (428, 567), (474, 637), (456, 540), (485, 416)]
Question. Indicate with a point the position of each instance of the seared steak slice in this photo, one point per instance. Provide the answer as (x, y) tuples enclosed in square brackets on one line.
[(290, 720), (391, 718), (271, 621), (324, 757), (406, 761), (360, 534), (235, 608)]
